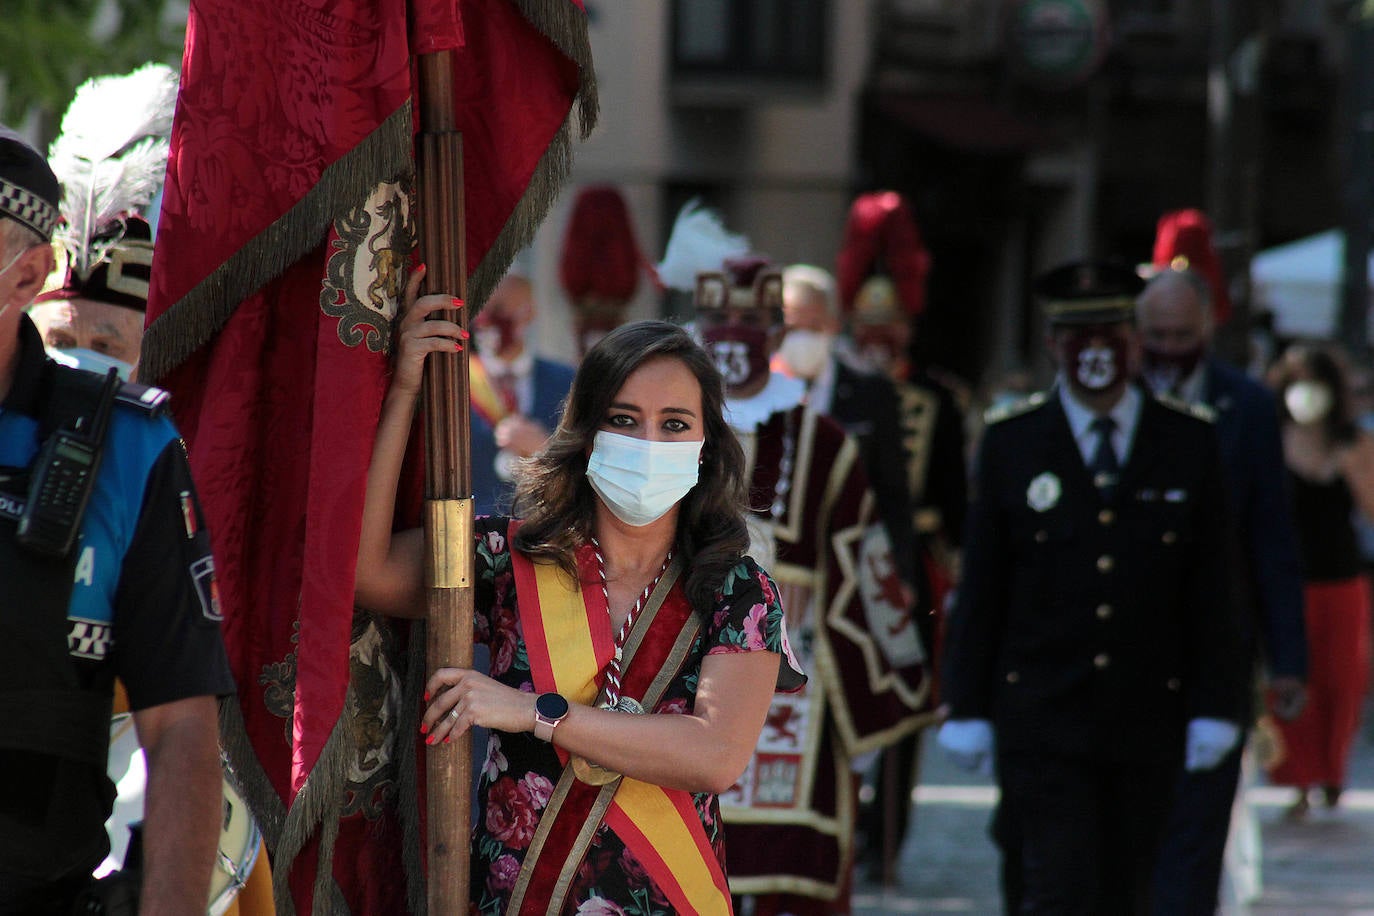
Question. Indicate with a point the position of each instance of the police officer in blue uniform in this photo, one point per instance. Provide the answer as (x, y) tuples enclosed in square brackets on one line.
[(105, 572), (1093, 648)]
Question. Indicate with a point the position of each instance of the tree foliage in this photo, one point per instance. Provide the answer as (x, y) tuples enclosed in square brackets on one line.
[(50, 47)]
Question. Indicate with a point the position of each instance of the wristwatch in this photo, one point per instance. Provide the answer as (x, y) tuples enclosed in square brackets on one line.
[(549, 710)]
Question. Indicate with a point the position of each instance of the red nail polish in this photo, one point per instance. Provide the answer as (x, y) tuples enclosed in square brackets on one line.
[(458, 347), (426, 696), (421, 267), (424, 729), (429, 740), (463, 333), (448, 738), (457, 303)]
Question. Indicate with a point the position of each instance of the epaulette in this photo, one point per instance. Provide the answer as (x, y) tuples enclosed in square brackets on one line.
[(1197, 411), (145, 399), (1015, 409)]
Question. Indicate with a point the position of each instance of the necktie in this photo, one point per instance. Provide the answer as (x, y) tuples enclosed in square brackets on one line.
[(1104, 466)]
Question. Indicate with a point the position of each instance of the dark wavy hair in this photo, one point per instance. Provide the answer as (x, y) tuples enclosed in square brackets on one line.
[(1320, 364), (558, 504)]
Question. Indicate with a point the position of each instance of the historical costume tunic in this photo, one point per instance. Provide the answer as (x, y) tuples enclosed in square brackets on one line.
[(521, 774), (790, 818)]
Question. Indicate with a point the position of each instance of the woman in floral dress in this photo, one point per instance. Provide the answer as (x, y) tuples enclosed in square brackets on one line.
[(635, 649)]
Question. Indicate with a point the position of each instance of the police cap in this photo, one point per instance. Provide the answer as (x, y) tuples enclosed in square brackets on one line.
[(29, 192)]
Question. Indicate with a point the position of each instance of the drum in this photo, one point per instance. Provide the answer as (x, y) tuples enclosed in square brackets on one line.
[(239, 837)]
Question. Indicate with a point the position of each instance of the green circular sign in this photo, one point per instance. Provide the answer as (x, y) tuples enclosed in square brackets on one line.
[(1059, 41)]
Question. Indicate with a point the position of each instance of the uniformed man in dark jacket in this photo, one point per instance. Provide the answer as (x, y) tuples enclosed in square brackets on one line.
[(105, 573), (1093, 646)]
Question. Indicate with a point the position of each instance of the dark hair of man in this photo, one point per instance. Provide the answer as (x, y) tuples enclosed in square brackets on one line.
[(558, 504), (1320, 365)]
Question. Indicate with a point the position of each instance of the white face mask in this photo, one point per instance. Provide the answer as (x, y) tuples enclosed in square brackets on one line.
[(805, 352), (1307, 401), (91, 361), (639, 480)]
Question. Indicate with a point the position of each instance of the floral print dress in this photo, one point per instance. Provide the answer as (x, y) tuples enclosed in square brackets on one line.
[(520, 771)]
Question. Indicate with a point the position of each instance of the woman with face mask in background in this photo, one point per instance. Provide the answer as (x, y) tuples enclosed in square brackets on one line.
[(1331, 472), (635, 649)]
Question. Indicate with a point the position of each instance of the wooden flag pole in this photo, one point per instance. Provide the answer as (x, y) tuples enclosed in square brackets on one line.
[(448, 478)]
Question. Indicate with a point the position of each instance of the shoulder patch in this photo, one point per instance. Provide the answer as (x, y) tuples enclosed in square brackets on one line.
[(1197, 411), (1015, 409)]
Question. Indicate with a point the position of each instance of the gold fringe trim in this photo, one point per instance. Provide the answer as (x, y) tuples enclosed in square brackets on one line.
[(317, 803), (566, 26), (192, 320)]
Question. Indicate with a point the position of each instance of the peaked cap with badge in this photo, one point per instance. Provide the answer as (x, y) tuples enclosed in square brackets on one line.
[(1088, 292)]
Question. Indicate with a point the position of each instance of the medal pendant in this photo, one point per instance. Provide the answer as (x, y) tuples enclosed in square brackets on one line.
[(592, 774)]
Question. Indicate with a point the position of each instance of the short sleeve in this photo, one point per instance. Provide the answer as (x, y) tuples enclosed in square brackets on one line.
[(749, 618), (167, 615)]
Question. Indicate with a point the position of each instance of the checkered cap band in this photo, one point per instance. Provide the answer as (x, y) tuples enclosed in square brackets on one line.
[(28, 208)]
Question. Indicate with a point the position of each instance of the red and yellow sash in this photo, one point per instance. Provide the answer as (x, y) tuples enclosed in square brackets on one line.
[(483, 396), (659, 826)]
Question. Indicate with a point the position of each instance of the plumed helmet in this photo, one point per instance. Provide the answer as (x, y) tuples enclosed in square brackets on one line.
[(1183, 240), (111, 157), (882, 266), (601, 260)]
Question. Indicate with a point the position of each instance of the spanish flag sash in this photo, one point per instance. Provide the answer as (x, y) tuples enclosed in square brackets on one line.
[(484, 396), (659, 826)]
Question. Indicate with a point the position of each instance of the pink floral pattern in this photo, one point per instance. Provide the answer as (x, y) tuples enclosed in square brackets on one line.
[(520, 771)]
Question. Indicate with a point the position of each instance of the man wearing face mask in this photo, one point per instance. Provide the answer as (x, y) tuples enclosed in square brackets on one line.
[(1093, 649), (814, 519), (1176, 318), (896, 453), (864, 403), (93, 320), (516, 395)]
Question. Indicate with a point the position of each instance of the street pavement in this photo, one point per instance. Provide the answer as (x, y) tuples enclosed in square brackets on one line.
[(1322, 866)]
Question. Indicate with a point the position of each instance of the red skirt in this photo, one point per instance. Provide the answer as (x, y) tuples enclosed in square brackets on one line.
[(1316, 745)]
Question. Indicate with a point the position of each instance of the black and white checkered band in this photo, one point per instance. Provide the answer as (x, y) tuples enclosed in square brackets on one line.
[(28, 208)]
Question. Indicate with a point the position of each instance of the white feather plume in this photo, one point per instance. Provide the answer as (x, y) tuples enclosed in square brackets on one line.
[(699, 242), (111, 157)]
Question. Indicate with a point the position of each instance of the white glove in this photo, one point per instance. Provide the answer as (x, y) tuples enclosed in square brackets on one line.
[(968, 742), (1209, 740)]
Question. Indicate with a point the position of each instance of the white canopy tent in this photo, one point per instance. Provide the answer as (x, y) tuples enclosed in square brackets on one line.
[(1300, 282)]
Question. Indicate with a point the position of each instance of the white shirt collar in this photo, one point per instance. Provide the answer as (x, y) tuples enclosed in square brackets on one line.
[(1126, 413), (781, 393)]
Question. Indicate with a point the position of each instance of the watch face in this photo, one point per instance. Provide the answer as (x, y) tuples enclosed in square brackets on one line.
[(551, 706)]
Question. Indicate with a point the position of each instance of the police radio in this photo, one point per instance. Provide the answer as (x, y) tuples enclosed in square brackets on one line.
[(63, 478)]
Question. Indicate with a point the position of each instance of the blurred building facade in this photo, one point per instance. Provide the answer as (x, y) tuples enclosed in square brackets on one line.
[(1024, 132)]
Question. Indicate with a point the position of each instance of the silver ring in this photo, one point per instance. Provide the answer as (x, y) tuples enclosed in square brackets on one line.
[(453, 713)]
